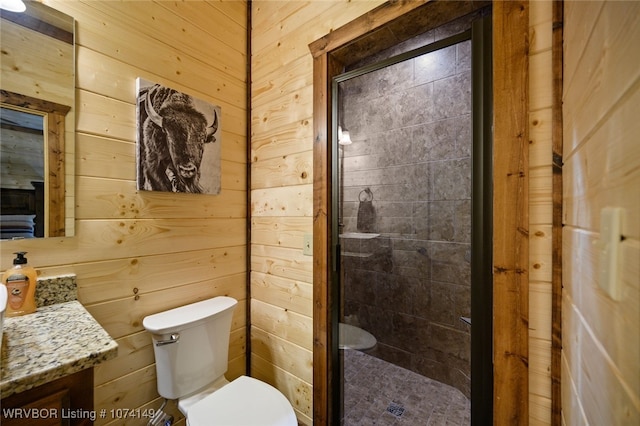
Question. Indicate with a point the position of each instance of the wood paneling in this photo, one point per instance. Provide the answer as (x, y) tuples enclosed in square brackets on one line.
[(290, 294), (282, 201), (322, 245), (28, 52), (174, 249), (557, 61), (283, 171), (136, 252), (607, 82), (600, 335), (299, 390), (511, 213), (544, 199)]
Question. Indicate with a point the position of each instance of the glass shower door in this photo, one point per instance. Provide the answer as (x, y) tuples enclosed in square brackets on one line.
[(404, 223)]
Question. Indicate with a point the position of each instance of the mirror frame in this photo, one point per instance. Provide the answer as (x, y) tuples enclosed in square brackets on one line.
[(57, 110), (54, 122)]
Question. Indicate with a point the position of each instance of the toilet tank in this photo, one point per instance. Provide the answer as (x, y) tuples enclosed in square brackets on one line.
[(191, 345)]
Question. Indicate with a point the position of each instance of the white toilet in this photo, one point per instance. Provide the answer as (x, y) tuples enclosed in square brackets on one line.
[(351, 337), (191, 346)]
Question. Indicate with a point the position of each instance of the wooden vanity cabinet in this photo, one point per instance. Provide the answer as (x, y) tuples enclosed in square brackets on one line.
[(65, 401)]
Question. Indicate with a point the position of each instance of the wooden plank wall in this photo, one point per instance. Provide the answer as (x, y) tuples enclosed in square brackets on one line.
[(510, 212), (282, 188), (21, 158), (540, 209), (137, 253), (601, 336)]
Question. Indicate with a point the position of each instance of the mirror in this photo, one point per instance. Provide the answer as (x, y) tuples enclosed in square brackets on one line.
[(37, 123)]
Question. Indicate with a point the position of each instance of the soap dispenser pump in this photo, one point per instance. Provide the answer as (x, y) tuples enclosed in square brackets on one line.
[(21, 287)]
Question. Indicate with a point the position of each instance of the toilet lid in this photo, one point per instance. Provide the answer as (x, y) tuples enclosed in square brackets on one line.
[(243, 402), (351, 337)]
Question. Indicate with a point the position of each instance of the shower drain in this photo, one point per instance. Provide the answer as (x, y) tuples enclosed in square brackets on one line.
[(395, 409)]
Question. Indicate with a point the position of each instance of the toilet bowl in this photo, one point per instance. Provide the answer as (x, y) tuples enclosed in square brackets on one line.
[(191, 348), (351, 337), (245, 401)]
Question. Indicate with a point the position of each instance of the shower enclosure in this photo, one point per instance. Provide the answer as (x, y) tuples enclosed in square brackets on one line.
[(408, 197)]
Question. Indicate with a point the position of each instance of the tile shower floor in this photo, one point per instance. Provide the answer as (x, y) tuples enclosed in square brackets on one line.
[(377, 392)]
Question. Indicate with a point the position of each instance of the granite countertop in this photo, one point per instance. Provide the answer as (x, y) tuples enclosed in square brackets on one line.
[(55, 341)]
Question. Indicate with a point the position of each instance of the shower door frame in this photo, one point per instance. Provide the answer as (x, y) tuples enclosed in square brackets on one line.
[(509, 337), (481, 200)]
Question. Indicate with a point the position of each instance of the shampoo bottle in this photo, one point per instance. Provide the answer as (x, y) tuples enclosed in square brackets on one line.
[(21, 287)]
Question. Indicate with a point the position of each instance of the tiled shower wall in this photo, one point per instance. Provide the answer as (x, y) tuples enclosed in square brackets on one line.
[(411, 129)]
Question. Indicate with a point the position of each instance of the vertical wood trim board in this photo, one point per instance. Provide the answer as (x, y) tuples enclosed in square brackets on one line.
[(541, 205), (248, 123), (556, 285), (321, 246), (511, 212)]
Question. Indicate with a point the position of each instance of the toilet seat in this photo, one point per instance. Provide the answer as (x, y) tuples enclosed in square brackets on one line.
[(351, 337), (243, 402)]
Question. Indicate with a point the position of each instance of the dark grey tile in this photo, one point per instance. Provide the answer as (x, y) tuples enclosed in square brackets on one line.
[(442, 304), (380, 393), (463, 221), (414, 106), (463, 58), (452, 96), (451, 180), (436, 140), (435, 65), (442, 220)]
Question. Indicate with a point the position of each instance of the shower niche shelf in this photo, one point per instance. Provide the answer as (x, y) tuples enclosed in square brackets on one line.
[(356, 246), (355, 254), (359, 235)]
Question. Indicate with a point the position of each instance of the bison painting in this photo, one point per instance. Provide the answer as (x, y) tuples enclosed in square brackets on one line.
[(178, 146)]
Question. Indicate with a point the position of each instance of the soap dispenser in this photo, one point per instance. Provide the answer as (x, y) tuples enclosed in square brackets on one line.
[(21, 287)]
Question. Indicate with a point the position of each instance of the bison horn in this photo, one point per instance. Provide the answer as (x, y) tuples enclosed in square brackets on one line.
[(214, 126), (153, 115)]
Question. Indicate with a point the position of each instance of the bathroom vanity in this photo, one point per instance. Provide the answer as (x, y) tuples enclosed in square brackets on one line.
[(47, 365)]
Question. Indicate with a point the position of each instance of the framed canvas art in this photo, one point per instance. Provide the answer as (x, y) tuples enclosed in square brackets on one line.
[(178, 141)]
